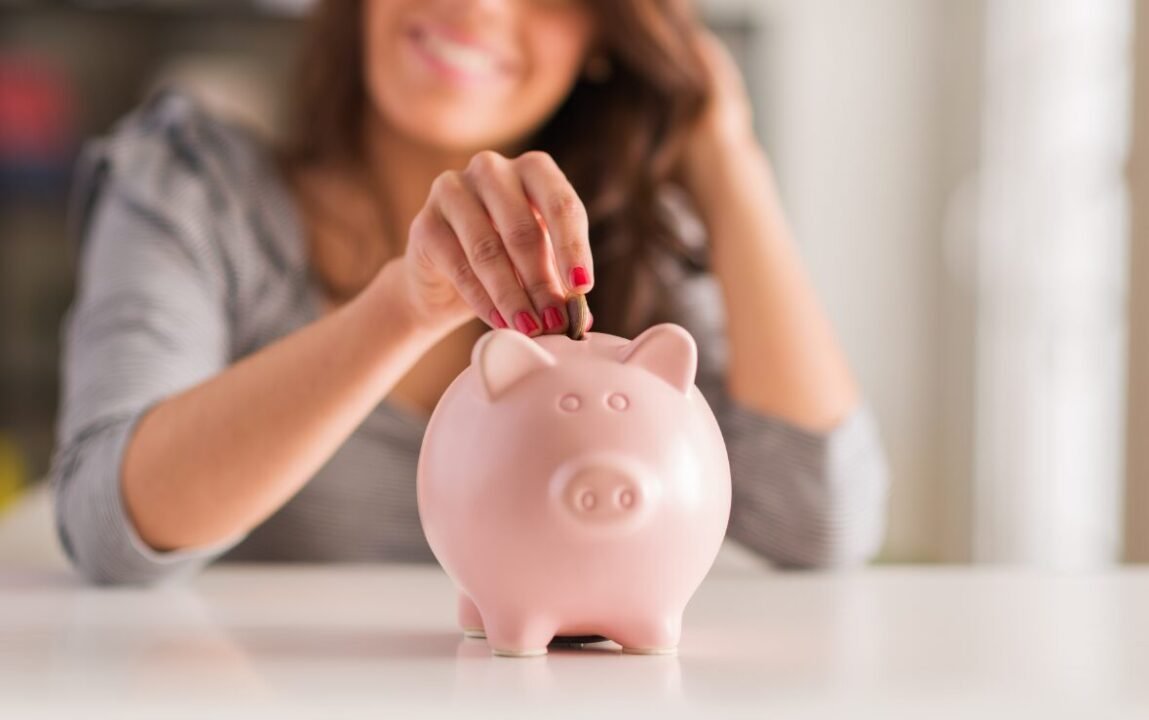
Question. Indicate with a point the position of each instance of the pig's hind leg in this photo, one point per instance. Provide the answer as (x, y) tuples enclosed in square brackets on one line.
[(518, 634), (469, 618), (649, 634)]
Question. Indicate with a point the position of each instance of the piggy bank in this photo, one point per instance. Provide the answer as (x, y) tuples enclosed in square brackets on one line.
[(575, 488)]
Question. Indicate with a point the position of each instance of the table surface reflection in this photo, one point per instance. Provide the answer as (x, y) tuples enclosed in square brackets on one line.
[(380, 641)]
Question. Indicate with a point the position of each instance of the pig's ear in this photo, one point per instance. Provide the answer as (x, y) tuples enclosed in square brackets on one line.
[(503, 357), (666, 350)]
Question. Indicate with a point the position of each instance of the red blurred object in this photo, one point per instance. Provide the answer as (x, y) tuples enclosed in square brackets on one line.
[(36, 110), (37, 127)]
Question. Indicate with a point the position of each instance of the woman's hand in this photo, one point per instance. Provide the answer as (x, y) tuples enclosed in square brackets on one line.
[(783, 357), (725, 130), (505, 239)]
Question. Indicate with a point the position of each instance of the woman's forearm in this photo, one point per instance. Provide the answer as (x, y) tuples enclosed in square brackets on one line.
[(784, 358), (217, 459)]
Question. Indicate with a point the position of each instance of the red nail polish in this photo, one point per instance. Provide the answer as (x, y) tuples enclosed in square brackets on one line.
[(497, 319), (552, 319), (525, 323), (579, 276)]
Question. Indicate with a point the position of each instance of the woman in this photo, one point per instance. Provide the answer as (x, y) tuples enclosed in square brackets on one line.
[(259, 337)]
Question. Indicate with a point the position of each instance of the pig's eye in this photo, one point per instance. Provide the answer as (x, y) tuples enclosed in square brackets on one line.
[(570, 402), (617, 401)]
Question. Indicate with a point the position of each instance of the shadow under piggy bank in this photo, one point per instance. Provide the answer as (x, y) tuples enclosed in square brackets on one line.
[(572, 678)]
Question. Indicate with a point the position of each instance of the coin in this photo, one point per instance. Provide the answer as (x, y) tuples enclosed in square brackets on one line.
[(579, 315)]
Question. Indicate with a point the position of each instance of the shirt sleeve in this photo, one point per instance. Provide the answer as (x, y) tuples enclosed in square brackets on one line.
[(806, 499), (150, 319), (801, 499)]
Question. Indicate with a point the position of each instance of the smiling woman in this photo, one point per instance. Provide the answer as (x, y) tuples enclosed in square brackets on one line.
[(260, 332), (609, 90)]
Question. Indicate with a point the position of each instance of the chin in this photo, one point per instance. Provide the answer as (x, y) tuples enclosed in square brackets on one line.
[(448, 134), (456, 128)]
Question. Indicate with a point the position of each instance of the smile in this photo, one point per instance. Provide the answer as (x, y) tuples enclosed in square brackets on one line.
[(457, 60)]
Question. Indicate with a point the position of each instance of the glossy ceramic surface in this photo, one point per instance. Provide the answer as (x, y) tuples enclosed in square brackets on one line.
[(575, 488)]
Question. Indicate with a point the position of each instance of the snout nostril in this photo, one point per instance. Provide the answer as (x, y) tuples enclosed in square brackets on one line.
[(602, 494), (626, 498)]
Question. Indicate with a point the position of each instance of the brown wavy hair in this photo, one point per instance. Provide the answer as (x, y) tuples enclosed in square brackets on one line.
[(617, 138)]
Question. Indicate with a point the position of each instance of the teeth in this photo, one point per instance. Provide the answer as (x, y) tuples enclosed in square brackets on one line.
[(464, 57)]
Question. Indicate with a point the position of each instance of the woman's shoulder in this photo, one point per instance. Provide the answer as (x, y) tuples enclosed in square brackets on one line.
[(203, 175), (206, 185), (172, 148)]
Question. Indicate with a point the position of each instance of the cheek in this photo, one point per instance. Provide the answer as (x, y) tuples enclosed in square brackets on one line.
[(380, 30), (557, 51)]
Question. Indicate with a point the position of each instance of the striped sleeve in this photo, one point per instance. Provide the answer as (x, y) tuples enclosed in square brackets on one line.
[(149, 320), (800, 498), (805, 499)]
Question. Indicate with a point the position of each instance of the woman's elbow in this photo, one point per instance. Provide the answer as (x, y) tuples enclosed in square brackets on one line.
[(831, 519), (92, 525), (817, 546), (834, 547), (86, 544)]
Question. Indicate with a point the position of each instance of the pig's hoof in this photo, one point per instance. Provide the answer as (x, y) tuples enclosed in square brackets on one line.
[(530, 652), (473, 632), (651, 651)]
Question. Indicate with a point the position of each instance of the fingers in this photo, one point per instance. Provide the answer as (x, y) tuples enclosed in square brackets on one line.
[(438, 248), (565, 217), (486, 259), (499, 187), (510, 236)]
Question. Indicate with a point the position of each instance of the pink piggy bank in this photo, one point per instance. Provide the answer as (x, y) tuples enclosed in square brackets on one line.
[(575, 488)]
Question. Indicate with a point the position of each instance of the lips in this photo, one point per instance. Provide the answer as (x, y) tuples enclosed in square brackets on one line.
[(457, 58)]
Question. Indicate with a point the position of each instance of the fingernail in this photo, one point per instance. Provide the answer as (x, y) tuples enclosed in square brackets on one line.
[(525, 323), (589, 320), (497, 319), (579, 276), (552, 319)]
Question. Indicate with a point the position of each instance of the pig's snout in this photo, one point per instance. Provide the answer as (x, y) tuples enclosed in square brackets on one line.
[(604, 494)]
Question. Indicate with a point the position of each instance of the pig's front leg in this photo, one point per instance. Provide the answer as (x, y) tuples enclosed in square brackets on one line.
[(649, 634), (518, 633), (469, 618)]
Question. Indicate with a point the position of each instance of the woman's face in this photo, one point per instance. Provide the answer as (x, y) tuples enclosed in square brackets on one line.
[(465, 75)]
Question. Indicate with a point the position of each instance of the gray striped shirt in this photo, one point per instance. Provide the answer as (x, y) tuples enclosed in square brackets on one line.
[(192, 255)]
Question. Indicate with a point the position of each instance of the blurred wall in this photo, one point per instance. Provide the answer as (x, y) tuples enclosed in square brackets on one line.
[(1051, 281), (875, 108)]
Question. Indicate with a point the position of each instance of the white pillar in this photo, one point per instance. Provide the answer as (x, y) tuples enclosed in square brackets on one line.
[(1051, 294)]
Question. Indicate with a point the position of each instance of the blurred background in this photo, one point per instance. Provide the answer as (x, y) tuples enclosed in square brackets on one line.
[(966, 181)]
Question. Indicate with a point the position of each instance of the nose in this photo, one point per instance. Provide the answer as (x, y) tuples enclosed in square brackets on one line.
[(602, 494)]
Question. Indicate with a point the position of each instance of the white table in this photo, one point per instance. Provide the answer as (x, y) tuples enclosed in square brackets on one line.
[(354, 641)]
